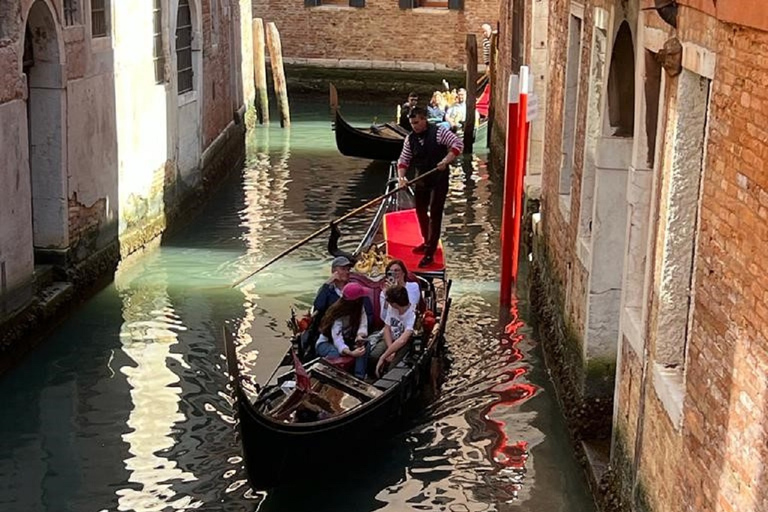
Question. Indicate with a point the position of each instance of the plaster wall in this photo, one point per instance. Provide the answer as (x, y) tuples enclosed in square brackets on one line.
[(16, 255), (142, 115), (93, 141)]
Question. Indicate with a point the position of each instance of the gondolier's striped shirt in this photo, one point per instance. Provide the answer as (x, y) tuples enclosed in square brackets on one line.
[(445, 137)]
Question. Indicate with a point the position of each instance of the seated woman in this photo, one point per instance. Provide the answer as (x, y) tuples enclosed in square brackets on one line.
[(397, 274), (436, 108), (345, 325), (398, 328)]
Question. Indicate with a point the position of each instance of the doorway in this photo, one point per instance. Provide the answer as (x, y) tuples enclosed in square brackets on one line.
[(46, 101)]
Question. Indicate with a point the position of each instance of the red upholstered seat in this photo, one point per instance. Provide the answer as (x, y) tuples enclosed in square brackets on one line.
[(346, 363)]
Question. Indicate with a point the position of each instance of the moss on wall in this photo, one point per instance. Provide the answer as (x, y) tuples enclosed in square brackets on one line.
[(585, 388)]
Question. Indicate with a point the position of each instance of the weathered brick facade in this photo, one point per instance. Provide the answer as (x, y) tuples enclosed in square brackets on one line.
[(690, 427), (380, 34)]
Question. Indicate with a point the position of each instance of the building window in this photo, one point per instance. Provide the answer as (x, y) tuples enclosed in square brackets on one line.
[(621, 90), (455, 5), (157, 43), (572, 75), (184, 46), (99, 18), (350, 3), (71, 13)]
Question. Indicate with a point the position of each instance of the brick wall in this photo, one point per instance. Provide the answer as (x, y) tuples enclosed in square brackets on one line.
[(380, 31), (218, 101), (726, 411), (716, 460)]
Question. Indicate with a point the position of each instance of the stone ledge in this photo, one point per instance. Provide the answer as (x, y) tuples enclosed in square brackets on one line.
[(367, 64), (670, 389)]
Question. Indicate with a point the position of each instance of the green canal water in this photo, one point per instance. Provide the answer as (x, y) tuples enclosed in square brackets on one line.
[(125, 406)]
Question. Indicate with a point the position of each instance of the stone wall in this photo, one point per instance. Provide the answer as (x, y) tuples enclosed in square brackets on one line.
[(117, 155), (380, 33)]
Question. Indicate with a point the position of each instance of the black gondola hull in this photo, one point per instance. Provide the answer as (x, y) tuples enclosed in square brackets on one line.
[(353, 141), (278, 453)]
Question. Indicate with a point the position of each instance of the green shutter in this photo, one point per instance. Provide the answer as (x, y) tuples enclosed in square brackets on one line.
[(407, 4), (456, 5), (357, 3), (311, 3)]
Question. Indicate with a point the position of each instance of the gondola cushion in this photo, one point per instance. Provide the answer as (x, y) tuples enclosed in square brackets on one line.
[(346, 363)]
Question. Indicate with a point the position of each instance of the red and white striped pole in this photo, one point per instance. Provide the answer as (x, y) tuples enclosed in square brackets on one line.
[(508, 206), (522, 155)]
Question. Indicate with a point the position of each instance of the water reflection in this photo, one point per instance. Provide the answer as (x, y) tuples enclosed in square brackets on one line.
[(147, 336), (125, 407)]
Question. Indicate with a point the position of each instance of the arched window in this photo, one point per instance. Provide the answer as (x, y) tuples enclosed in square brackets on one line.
[(621, 84), (184, 47)]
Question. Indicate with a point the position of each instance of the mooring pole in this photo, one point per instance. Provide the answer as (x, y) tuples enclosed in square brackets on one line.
[(260, 72), (278, 73), (469, 119), (508, 203), (521, 154)]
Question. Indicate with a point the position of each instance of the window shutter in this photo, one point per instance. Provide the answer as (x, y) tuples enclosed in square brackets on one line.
[(456, 5), (407, 4), (311, 3), (357, 3)]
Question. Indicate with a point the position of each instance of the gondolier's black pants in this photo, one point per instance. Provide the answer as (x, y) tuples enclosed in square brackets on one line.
[(430, 195)]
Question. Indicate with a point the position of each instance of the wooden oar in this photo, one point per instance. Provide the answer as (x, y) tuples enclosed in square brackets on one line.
[(337, 221)]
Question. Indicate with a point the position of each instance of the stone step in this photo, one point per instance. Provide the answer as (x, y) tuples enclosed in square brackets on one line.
[(44, 276), (598, 454), (53, 295)]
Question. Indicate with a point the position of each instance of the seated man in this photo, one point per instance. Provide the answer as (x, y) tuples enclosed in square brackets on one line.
[(398, 328), (328, 293), (457, 113)]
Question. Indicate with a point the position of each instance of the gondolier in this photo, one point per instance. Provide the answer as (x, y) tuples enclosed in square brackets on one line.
[(426, 148)]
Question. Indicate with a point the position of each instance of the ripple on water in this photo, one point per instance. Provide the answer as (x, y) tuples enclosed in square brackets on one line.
[(126, 406)]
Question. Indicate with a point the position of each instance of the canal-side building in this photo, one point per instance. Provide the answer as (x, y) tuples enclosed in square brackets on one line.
[(649, 275), (414, 35), (114, 117)]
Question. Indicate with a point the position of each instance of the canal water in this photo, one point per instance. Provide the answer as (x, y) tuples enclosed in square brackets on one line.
[(125, 406)]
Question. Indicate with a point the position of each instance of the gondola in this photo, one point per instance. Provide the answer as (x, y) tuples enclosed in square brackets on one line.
[(288, 433), (377, 142)]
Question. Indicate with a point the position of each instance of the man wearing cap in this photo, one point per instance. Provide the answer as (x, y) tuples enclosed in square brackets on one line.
[(330, 291)]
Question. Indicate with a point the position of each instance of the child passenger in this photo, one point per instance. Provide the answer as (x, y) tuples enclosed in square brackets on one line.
[(398, 328)]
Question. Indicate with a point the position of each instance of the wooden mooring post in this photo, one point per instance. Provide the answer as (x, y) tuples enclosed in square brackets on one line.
[(492, 82), (278, 73), (260, 72), (469, 120)]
